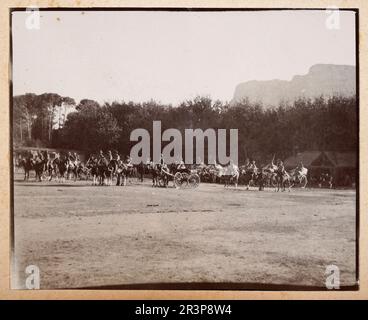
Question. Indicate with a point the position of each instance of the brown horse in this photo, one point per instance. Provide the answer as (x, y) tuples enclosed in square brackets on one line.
[(37, 164)]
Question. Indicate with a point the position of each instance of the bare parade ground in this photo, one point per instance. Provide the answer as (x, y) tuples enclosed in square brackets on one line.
[(83, 236)]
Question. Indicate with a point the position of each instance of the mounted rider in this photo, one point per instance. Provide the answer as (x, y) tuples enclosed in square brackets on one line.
[(163, 165), (233, 169), (149, 163), (55, 159), (300, 169), (270, 167), (280, 168), (116, 156), (252, 166), (48, 161), (129, 162), (39, 156), (70, 158), (101, 158), (109, 155)]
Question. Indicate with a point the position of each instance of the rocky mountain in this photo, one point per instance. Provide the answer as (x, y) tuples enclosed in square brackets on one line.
[(322, 79)]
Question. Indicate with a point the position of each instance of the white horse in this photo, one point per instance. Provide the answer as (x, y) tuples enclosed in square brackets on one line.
[(229, 174), (299, 175)]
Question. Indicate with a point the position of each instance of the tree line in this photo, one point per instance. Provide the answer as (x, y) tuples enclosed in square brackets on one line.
[(328, 124)]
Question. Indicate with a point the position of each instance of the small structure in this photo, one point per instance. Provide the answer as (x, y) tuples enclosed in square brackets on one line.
[(340, 165)]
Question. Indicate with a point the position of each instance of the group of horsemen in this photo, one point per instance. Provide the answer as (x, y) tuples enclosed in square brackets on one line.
[(72, 160)]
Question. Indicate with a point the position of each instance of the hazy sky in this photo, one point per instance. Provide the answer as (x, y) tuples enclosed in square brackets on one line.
[(171, 56)]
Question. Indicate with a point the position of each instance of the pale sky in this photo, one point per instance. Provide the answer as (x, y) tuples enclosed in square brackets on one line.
[(171, 56)]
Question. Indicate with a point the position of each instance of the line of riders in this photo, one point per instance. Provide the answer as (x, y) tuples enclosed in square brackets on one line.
[(103, 168)]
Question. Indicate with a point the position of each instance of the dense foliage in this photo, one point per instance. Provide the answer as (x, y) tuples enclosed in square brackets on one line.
[(320, 124)]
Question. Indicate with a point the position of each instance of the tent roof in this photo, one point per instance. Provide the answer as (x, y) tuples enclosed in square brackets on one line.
[(307, 157), (342, 159), (337, 159)]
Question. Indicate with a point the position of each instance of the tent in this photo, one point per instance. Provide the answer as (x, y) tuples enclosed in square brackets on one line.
[(340, 165)]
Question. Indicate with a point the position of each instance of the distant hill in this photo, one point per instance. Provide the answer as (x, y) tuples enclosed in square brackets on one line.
[(322, 79)]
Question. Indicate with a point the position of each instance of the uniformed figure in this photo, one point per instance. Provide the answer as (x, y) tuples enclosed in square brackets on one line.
[(181, 166), (129, 161), (299, 167), (109, 155), (70, 158), (76, 157), (116, 156), (252, 166), (101, 157), (280, 168)]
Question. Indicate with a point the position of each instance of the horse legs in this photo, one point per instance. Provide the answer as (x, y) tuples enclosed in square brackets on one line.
[(37, 176), (277, 188)]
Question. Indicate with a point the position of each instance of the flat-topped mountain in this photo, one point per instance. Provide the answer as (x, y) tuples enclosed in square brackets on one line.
[(322, 79)]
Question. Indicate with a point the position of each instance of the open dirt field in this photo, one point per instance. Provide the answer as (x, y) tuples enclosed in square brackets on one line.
[(86, 236)]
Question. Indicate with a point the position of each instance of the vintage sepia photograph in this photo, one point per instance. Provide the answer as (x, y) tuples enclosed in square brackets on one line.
[(184, 148)]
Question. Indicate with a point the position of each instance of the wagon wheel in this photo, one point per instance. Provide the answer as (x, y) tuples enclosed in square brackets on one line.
[(180, 180), (177, 179), (194, 180), (44, 176)]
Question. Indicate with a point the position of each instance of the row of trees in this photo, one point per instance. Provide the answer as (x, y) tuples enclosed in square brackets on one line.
[(320, 124), (35, 117)]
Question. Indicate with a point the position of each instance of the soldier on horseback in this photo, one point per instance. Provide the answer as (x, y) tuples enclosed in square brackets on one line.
[(76, 158), (109, 155), (280, 168), (300, 168), (283, 178), (116, 156), (101, 158), (252, 166)]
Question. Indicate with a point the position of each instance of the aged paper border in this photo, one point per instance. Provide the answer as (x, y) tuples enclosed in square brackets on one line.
[(5, 187)]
